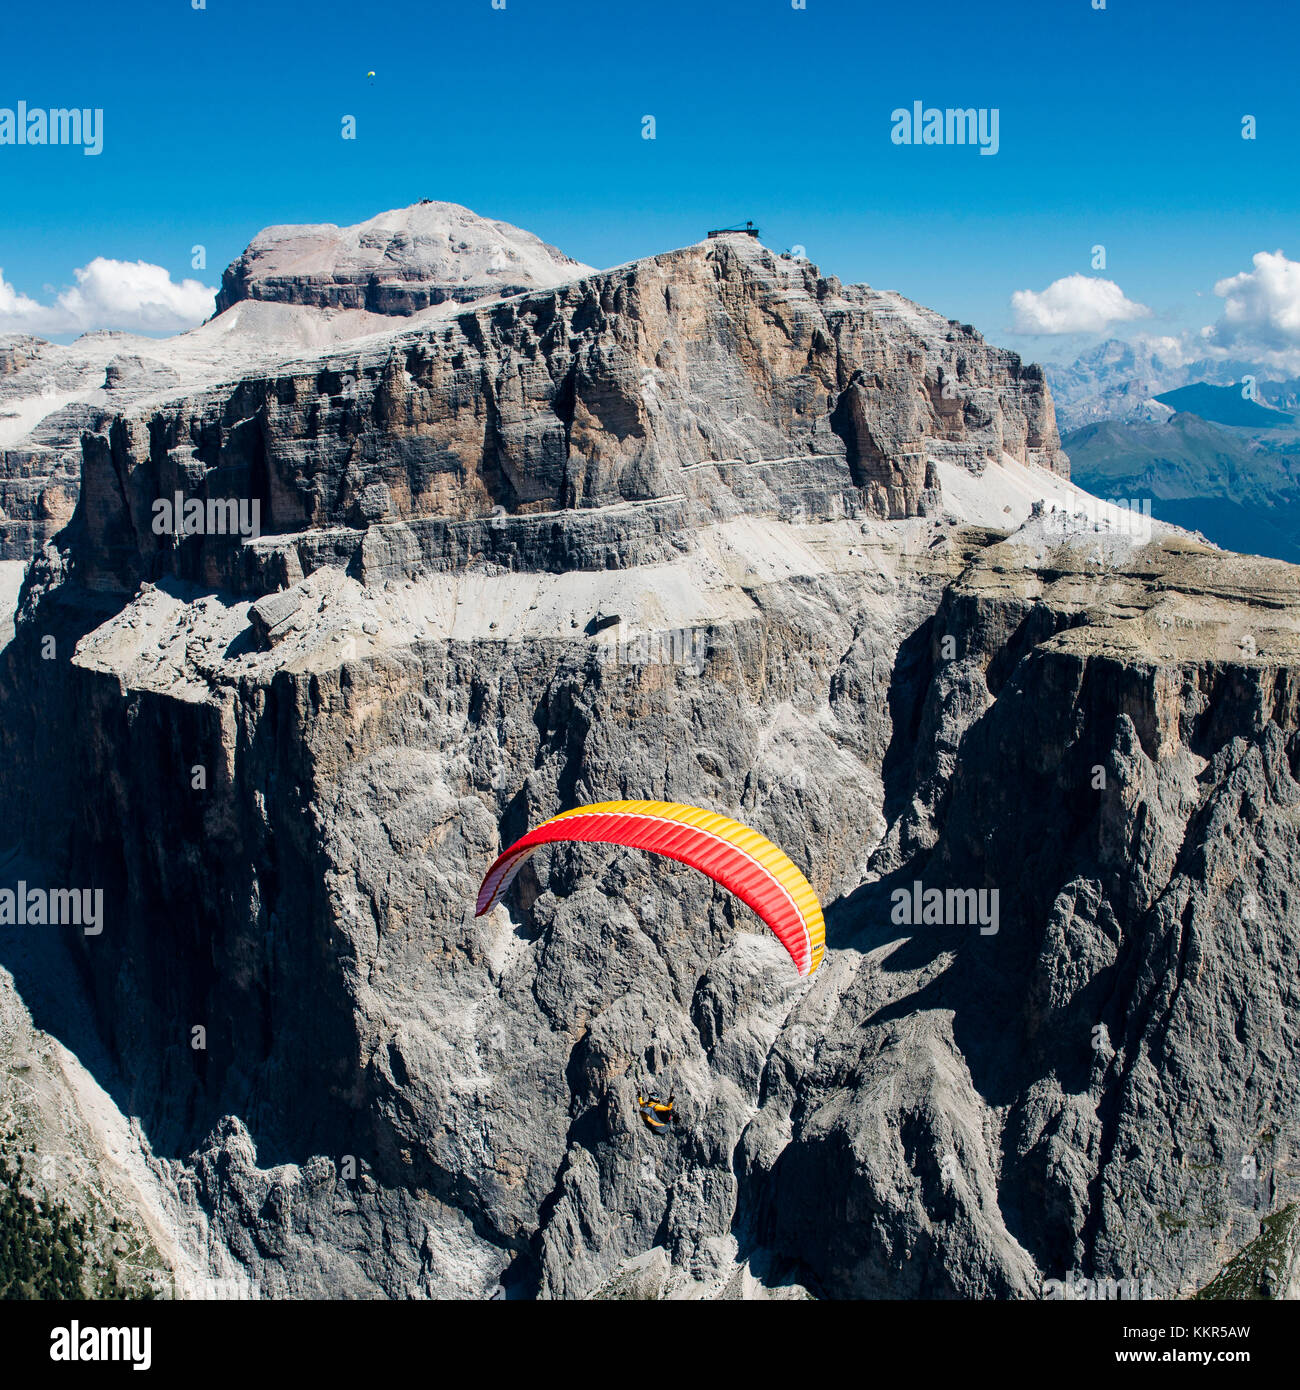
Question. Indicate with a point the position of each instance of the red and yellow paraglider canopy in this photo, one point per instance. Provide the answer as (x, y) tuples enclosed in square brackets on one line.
[(740, 859)]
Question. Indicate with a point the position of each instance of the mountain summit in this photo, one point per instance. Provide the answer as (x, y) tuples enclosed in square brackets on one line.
[(396, 263)]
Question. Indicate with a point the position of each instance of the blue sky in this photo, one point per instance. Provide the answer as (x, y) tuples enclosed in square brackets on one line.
[(1120, 126)]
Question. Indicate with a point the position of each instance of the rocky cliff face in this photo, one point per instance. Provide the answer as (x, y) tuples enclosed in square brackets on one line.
[(295, 289), (1105, 1084), (40, 444), (706, 383), (809, 507)]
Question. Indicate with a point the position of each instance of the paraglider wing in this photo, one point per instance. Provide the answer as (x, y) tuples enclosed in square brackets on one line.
[(734, 856)]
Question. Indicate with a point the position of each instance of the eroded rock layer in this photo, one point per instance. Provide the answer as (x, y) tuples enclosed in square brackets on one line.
[(690, 387)]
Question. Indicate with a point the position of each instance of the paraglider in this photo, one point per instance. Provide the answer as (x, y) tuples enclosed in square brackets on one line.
[(370, 77), (732, 855)]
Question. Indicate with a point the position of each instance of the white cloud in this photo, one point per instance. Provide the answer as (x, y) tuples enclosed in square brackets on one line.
[(1169, 352), (129, 295), (1075, 304), (16, 310), (1261, 309)]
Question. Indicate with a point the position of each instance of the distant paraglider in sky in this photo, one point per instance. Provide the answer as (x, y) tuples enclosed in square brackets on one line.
[(732, 855), (370, 77)]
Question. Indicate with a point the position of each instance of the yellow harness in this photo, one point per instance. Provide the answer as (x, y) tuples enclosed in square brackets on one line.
[(650, 1107)]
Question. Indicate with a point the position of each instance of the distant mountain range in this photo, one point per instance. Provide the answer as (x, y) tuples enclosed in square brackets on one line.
[(1239, 486), (1189, 437), (1119, 380)]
